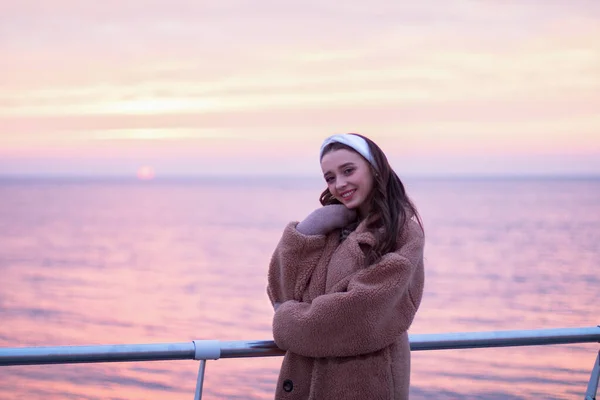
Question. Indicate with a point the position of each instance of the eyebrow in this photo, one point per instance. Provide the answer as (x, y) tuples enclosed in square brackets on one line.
[(346, 165)]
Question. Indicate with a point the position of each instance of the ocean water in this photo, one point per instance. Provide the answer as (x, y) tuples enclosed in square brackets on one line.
[(107, 262)]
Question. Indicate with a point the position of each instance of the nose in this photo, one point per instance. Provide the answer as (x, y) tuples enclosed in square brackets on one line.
[(340, 183)]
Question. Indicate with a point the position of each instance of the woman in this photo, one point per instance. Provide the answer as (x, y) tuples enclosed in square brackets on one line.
[(347, 281)]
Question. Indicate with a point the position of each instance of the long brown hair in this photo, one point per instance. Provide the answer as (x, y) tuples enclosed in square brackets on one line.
[(390, 206)]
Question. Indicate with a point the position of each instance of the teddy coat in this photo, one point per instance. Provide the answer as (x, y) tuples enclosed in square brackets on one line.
[(342, 324)]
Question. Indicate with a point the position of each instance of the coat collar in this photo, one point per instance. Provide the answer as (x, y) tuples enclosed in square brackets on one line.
[(363, 236)]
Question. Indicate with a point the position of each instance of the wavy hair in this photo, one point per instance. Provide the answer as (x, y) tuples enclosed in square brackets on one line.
[(390, 207)]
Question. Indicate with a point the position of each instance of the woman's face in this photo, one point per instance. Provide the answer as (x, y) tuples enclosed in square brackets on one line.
[(349, 178)]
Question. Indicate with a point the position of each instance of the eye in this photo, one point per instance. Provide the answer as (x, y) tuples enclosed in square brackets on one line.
[(348, 171), (329, 179)]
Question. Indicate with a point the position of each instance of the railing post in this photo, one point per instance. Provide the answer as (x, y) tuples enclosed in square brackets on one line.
[(592, 388), (200, 381), (204, 350)]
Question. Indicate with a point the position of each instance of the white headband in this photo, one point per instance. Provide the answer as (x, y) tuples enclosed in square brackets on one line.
[(353, 141)]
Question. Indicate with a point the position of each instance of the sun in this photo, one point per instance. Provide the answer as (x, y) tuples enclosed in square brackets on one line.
[(145, 173)]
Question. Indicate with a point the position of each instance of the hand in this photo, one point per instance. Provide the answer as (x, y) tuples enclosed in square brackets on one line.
[(325, 219)]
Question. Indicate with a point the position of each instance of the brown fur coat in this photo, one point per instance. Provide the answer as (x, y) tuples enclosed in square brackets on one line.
[(343, 325)]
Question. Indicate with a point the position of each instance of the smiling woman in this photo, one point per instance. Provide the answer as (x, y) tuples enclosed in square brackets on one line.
[(346, 282)]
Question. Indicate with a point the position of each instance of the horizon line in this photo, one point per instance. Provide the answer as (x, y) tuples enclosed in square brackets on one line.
[(233, 176)]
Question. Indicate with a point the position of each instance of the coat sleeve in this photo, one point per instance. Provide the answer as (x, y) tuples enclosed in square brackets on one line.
[(375, 308), (292, 263)]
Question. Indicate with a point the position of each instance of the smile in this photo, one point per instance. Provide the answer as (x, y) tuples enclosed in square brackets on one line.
[(348, 194)]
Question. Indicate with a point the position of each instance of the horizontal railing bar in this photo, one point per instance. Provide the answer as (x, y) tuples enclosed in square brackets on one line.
[(258, 348), (266, 348), (473, 340), (96, 354)]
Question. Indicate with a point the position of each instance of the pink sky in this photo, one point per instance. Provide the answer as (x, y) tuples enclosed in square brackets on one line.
[(445, 87)]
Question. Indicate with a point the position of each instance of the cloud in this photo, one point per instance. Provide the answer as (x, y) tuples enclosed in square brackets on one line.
[(468, 75)]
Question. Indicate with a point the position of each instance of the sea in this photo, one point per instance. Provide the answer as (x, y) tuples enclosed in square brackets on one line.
[(91, 261)]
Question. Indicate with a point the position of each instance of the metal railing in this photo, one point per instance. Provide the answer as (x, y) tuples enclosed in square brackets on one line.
[(204, 350)]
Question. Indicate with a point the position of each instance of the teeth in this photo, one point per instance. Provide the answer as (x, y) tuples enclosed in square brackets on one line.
[(347, 194)]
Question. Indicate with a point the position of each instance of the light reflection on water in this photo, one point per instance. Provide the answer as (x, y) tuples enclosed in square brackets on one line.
[(104, 263)]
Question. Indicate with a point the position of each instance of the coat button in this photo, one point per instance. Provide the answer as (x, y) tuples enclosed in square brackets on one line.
[(288, 385)]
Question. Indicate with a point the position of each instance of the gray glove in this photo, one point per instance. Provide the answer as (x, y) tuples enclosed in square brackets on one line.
[(325, 219)]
